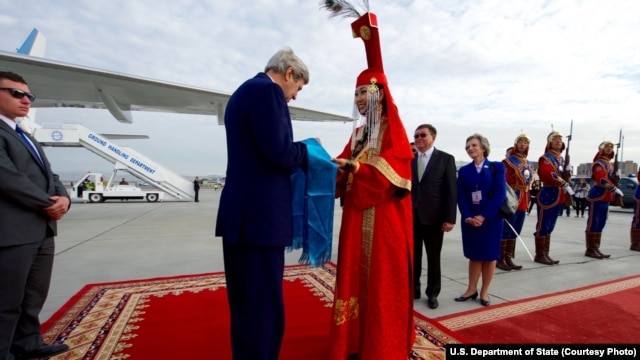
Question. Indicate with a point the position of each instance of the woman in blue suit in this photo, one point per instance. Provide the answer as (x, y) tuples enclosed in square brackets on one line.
[(481, 191)]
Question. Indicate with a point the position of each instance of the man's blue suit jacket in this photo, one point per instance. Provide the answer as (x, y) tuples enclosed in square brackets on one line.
[(256, 202)]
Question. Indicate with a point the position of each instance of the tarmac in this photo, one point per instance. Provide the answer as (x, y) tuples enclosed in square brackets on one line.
[(127, 240)]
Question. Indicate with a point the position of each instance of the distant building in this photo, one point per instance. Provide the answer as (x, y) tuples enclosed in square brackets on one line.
[(627, 168)]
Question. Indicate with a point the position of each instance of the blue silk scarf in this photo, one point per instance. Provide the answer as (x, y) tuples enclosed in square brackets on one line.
[(314, 191)]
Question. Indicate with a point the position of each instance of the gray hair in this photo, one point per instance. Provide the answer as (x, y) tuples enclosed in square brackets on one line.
[(484, 142), (284, 59)]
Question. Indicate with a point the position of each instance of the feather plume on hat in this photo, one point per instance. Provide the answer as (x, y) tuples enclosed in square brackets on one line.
[(364, 27), (343, 8)]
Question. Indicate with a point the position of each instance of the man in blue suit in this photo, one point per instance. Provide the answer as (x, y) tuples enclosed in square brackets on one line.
[(255, 218), (32, 199)]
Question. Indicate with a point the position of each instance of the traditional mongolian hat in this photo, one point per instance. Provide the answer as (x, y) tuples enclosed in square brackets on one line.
[(550, 137), (524, 137), (601, 154), (605, 143), (365, 27)]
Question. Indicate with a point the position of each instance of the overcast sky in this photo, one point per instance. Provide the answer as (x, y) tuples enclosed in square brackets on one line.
[(493, 67)]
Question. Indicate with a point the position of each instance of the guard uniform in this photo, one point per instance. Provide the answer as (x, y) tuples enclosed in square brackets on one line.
[(635, 223), (550, 199), (599, 197), (519, 175)]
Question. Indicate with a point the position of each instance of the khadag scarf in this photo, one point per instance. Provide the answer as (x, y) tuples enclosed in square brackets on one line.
[(314, 190)]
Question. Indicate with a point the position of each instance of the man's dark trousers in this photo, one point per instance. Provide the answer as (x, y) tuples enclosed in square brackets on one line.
[(432, 237)]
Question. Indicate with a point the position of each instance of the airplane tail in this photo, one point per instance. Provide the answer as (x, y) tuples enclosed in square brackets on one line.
[(33, 45)]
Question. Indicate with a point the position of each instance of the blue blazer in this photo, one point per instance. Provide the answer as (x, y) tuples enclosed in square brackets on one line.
[(481, 243), (493, 192), (256, 201)]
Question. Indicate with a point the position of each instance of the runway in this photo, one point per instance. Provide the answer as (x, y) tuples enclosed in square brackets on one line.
[(116, 241)]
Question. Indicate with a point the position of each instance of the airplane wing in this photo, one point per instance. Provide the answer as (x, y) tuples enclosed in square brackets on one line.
[(123, 136), (58, 84)]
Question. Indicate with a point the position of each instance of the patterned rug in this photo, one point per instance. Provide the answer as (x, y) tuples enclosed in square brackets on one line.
[(187, 317), (605, 313)]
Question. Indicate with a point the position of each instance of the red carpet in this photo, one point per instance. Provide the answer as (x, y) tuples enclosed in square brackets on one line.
[(187, 317), (604, 313)]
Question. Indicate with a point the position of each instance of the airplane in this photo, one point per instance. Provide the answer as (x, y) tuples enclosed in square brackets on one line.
[(59, 84)]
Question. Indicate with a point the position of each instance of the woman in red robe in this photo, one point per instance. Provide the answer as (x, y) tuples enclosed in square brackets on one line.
[(373, 298)]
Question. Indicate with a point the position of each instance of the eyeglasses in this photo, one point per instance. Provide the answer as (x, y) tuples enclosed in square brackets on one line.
[(420, 135), (19, 94)]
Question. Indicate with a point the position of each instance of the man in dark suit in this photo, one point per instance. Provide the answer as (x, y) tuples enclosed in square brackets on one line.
[(434, 195), (255, 216), (32, 199), (196, 188)]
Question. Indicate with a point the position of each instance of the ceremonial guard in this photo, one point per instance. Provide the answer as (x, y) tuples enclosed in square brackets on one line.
[(600, 195), (519, 175), (635, 223), (551, 196)]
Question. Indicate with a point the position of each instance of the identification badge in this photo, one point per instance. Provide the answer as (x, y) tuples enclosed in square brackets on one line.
[(476, 197)]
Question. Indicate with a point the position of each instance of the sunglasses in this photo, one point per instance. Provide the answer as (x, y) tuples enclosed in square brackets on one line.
[(420, 135), (19, 94)]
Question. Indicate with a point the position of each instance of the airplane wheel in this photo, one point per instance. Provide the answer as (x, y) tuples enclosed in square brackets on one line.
[(152, 197), (95, 197)]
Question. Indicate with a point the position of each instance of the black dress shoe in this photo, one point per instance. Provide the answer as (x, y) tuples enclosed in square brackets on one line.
[(465, 298), (432, 301), (484, 302), (43, 351)]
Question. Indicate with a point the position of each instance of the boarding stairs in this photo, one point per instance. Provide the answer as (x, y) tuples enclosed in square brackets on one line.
[(123, 158)]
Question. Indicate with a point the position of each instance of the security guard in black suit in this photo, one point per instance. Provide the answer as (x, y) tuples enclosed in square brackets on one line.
[(32, 199)]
